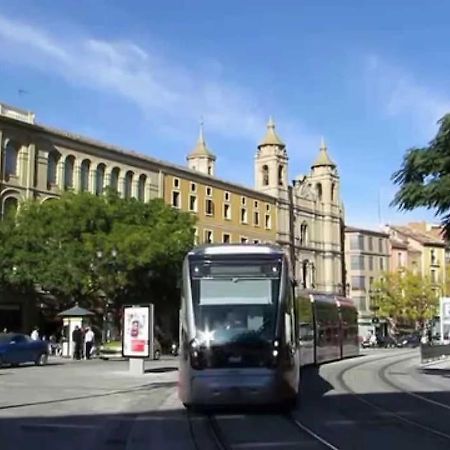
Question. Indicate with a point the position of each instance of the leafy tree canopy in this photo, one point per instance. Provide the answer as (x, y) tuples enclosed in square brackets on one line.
[(82, 246), (424, 178), (405, 297)]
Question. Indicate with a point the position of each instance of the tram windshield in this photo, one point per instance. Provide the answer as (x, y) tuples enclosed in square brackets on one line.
[(235, 302)]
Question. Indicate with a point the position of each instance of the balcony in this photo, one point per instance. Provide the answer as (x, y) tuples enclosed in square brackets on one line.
[(16, 113)]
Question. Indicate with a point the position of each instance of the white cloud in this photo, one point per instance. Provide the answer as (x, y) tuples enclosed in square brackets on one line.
[(170, 96), (399, 94)]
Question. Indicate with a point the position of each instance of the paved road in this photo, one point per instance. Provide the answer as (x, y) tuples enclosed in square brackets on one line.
[(382, 400)]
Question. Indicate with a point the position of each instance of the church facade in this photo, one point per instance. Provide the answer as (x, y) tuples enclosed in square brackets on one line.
[(304, 215)]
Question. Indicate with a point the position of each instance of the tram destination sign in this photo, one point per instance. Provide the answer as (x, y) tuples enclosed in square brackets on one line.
[(137, 327)]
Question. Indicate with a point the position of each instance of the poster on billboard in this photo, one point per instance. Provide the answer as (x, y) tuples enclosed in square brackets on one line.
[(137, 329), (445, 319)]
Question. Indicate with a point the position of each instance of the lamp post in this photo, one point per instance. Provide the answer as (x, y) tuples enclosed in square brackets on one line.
[(373, 296), (107, 303)]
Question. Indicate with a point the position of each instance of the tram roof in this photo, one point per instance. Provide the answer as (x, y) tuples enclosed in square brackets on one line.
[(237, 249)]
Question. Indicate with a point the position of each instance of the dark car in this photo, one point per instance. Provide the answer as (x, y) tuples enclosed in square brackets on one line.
[(410, 340), (388, 342), (17, 348)]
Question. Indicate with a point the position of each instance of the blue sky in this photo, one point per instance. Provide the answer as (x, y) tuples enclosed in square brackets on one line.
[(370, 76)]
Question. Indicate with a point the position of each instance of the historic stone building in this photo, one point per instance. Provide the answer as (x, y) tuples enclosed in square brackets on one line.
[(306, 215)]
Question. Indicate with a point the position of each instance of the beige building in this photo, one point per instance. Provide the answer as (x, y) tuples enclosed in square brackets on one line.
[(419, 248), (305, 216), (366, 258)]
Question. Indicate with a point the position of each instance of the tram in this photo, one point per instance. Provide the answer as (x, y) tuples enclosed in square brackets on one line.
[(238, 327), (327, 327), (245, 329)]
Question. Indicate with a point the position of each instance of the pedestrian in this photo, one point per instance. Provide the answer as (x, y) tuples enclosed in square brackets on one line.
[(35, 334), (77, 339), (89, 339)]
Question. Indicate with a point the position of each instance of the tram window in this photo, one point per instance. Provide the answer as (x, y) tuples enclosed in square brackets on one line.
[(249, 292)]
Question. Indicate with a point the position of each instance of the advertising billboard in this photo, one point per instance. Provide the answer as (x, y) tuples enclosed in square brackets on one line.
[(137, 335), (445, 318)]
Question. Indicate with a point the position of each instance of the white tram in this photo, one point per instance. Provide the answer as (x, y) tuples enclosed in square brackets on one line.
[(238, 341), (245, 330)]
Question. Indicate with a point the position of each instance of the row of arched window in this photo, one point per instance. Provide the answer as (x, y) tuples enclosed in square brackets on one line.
[(68, 181), (99, 174)]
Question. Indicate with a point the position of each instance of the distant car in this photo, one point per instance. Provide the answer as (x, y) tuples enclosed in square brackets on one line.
[(113, 350), (410, 340), (17, 348), (388, 342)]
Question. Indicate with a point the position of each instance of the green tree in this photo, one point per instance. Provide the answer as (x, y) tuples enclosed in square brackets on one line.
[(424, 177), (82, 246), (405, 297)]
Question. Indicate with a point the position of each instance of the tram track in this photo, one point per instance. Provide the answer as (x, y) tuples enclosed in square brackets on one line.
[(381, 373), (212, 436)]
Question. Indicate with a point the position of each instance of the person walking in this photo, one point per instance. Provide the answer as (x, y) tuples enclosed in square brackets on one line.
[(77, 339), (35, 334), (89, 339)]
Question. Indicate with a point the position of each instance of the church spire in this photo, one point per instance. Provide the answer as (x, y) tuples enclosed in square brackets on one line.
[(201, 148), (323, 159), (271, 137)]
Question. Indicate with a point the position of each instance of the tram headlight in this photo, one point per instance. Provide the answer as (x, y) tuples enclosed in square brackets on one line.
[(275, 353), (206, 337), (195, 354)]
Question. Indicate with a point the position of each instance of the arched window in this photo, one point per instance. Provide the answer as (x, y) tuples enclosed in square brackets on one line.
[(52, 168), (11, 153), (209, 170), (141, 188), (100, 179), (9, 207), (313, 275), (128, 184), (333, 191), (280, 175), (304, 233), (114, 181), (68, 172), (84, 175), (305, 274), (319, 191), (265, 175)]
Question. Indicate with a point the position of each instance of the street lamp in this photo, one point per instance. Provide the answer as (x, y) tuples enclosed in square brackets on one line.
[(108, 314)]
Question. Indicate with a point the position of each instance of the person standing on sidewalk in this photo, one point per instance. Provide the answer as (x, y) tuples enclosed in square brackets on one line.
[(89, 339), (35, 334), (77, 339)]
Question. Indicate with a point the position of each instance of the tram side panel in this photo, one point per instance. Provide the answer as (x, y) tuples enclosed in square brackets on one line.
[(349, 329), (326, 323), (305, 329)]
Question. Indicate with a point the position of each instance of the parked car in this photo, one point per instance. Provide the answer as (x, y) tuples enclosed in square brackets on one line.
[(410, 340), (113, 350), (17, 348), (388, 342)]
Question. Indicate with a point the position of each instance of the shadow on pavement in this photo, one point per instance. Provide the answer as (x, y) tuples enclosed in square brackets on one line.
[(367, 421), (161, 370), (445, 373)]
